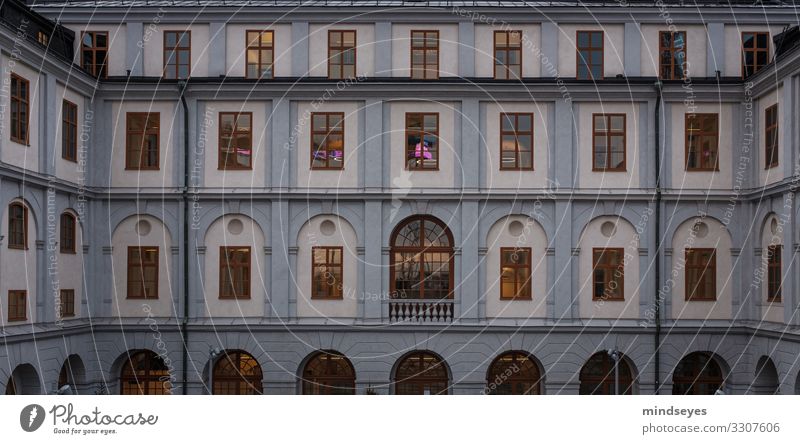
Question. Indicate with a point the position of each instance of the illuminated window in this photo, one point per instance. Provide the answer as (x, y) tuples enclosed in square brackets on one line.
[(702, 142), (327, 141), (513, 373), (145, 373), (421, 373), (341, 54), (329, 373), (424, 54), (237, 373), (422, 260), (142, 272), (142, 141), (671, 54), (66, 304), (260, 54), (516, 141), (515, 273), (326, 272), (608, 142), (508, 55), (609, 274), (598, 375), (697, 374)]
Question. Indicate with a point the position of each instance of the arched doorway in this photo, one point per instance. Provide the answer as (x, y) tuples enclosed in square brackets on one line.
[(144, 373), (24, 380), (766, 378), (11, 388), (513, 373), (697, 373), (237, 373), (598, 376), (421, 373), (422, 259), (328, 373), (71, 374)]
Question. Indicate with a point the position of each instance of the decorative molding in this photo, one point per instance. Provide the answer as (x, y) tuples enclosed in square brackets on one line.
[(643, 251), (550, 251), (293, 250), (175, 250), (668, 252), (85, 249), (482, 251), (385, 250), (40, 245), (108, 250), (457, 251), (360, 251), (757, 251), (200, 250), (736, 251), (267, 250), (576, 251), (797, 248)]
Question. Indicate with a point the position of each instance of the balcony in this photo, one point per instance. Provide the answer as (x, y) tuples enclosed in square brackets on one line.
[(421, 310)]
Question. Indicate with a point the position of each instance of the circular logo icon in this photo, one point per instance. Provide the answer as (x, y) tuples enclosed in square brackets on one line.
[(31, 417)]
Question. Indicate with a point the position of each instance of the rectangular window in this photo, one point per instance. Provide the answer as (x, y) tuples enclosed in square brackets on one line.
[(260, 54), (234, 272), (702, 142), (67, 233), (235, 141), (17, 305), (142, 141), (424, 54), (608, 142), (66, 305), (774, 273), (671, 54), (20, 109), (516, 141), (69, 131), (177, 54), (755, 52), (701, 274), (609, 274), (422, 141), (327, 274), (590, 55), (341, 54), (771, 136), (142, 272), (507, 55), (515, 273), (42, 38), (17, 226), (94, 52), (327, 141)]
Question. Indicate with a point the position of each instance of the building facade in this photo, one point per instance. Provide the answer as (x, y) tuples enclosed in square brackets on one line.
[(399, 198)]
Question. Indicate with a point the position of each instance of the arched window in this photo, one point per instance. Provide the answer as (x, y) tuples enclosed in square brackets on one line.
[(145, 373), (513, 373), (17, 226), (598, 376), (697, 374), (329, 373), (421, 373), (11, 388), (422, 259), (67, 233), (237, 373)]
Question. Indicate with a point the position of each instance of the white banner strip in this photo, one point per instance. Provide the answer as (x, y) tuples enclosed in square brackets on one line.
[(400, 419)]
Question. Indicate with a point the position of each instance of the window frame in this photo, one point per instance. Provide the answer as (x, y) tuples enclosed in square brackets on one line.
[(672, 55), (330, 290), (11, 235), (711, 267), (424, 69), (225, 266), (221, 165), (421, 250), (516, 133), (69, 131), (609, 273), (341, 50), (167, 50), (129, 166), (422, 133), (17, 305), (699, 134), (608, 135), (141, 267), (66, 305), (327, 131), (774, 273), (590, 48), (259, 48), (92, 69), (507, 49), (771, 137), (755, 50), (21, 102), (524, 290), (68, 235)]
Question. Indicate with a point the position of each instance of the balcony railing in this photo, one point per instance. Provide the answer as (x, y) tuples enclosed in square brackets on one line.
[(421, 310)]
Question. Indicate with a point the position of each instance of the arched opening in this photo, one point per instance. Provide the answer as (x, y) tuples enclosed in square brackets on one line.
[(599, 375), (328, 373), (237, 373), (697, 373), (422, 259), (421, 373), (24, 380), (513, 373), (145, 373), (67, 231), (766, 378), (17, 226), (72, 374)]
